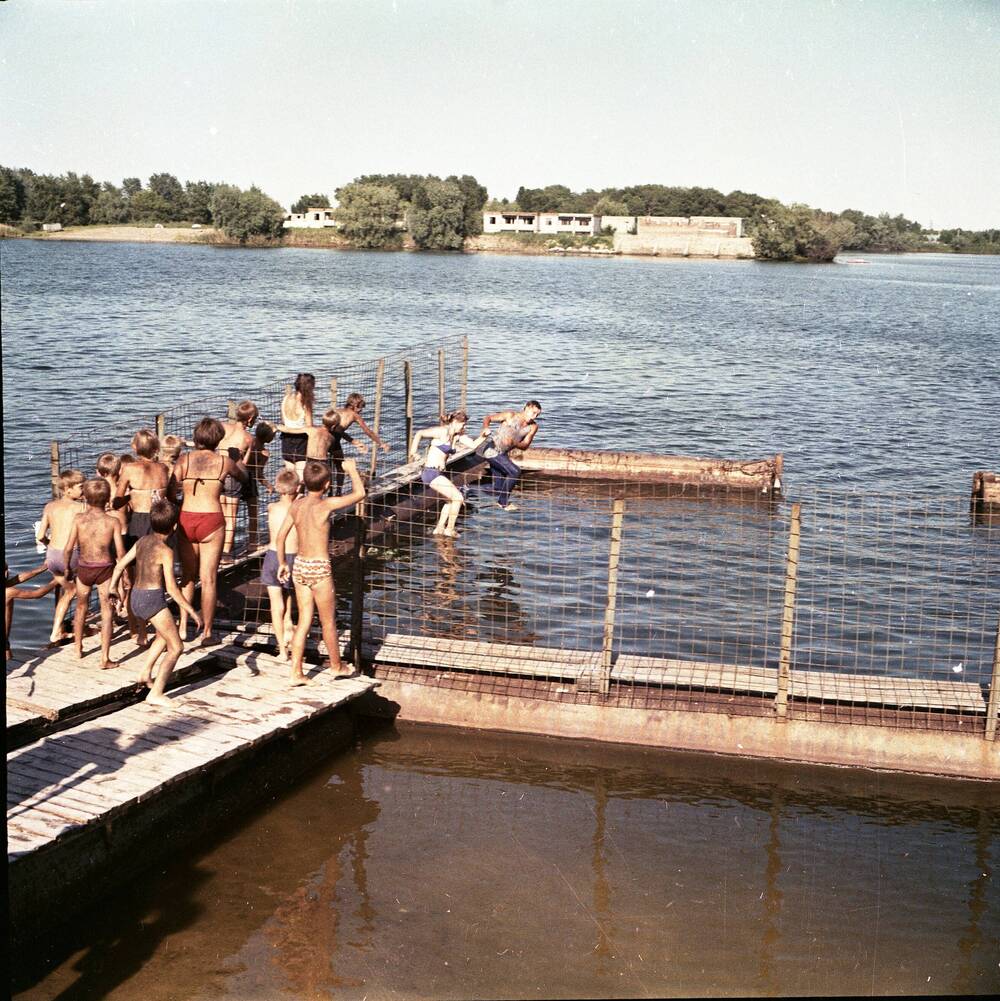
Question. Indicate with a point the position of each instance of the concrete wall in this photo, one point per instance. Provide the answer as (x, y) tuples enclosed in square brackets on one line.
[(683, 244), (722, 226), (619, 223)]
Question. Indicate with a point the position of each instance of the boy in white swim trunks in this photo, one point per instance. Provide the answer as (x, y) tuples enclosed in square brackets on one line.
[(280, 595), (309, 516)]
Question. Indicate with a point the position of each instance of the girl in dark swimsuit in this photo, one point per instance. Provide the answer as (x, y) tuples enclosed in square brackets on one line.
[(201, 528), (297, 412)]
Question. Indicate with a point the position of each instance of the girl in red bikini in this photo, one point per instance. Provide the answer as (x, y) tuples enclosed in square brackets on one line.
[(201, 528)]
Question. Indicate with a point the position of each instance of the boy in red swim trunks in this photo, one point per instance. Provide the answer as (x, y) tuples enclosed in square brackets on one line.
[(95, 532), (310, 517)]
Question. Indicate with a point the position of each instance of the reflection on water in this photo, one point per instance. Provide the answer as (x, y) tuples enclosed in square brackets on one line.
[(434, 863)]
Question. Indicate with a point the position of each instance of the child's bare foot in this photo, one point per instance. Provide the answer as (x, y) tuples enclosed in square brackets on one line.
[(452, 534), (145, 679), (109, 663), (157, 700), (208, 639), (297, 679), (79, 652), (283, 654), (439, 531)]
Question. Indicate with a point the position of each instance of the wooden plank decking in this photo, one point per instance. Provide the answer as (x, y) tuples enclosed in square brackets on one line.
[(90, 773)]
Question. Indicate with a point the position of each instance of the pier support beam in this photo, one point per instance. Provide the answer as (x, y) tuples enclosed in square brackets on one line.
[(408, 391), (54, 467), (614, 555), (993, 707), (441, 409), (788, 614), (358, 585), (161, 427), (464, 397), (377, 419), (333, 392)]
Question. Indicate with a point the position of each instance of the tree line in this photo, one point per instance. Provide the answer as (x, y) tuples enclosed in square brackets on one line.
[(374, 210), (28, 199)]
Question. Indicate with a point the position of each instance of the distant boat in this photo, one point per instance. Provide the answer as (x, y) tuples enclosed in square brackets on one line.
[(854, 260)]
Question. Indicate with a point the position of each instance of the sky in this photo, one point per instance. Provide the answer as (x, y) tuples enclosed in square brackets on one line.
[(889, 106)]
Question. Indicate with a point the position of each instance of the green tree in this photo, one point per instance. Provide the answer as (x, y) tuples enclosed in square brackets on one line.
[(110, 206), (148, 206), (78, 194), (610, 206), (473, 199), (311, 201), (43, 199), (171, 191), (246, 215), (440, 226), (131, 186), (368, 213), (198, 201), (12, 195), (798, 232)]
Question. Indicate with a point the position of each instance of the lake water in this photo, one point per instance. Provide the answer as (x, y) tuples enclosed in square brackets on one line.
[(428, 864)]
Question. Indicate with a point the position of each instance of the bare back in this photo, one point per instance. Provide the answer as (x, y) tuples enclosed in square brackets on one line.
[(149, 559), (145, 480), (201, 473), (237, 438), (60, 514), (311, 517), (276, 514), (96, 535)]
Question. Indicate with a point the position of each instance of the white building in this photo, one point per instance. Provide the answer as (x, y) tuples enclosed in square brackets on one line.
[(313, 218), (549, 223)]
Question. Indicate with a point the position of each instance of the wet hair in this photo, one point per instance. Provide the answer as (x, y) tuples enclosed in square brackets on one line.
[(316, 476), (247, 412), (331, 420), (162, 516), (145, 444), (70, 478), (305, 386), (97, 493), (354, 402), (170, 448), (264, 432), (456, 415), (126, 457), (108, 464), (287, 482), (535, 404), (208, 432)]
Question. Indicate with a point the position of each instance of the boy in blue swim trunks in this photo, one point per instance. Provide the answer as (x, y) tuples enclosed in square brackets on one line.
[(154, 580), (57, 522)]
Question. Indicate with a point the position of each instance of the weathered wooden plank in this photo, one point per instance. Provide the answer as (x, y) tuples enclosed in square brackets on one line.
[(556, 655), (672, 673)]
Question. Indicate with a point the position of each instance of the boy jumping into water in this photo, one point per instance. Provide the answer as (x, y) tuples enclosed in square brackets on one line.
[(309, 516), (95, 531), (154, 574), (57, 521), (517, 430), (280, 594)]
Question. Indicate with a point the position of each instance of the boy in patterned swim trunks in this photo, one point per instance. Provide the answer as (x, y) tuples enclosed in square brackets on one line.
[(57, 520), (95, 532), (310, 517)]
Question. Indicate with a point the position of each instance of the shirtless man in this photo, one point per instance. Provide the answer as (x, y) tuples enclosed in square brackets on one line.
[(154, 573), (235, 443), (517, 430), (57, 521), (96, 532), (310, 517)]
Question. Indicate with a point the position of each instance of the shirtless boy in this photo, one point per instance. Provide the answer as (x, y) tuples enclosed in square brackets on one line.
[(95, 532), (154, 574), (109, 468), (257, 459), (350, 413), (57, 521), (12, 591), (517, 430), (310, 518), (280, 594), (324, 443)]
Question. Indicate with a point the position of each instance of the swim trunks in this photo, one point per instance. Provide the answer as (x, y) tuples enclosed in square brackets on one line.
[(428, 474), (147, 602), (269, 570), (139, 525), (55, 561), (90, 574), (309, 573), (197, 526), (293, 446)]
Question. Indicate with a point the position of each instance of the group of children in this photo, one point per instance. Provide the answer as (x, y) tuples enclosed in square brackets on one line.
[(120, 531)]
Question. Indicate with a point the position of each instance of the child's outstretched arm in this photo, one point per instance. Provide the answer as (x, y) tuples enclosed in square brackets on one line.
[(74, 537), (26, 575), (43, 527), (384, 445), (118, 541), (120, 566), (357, 492)]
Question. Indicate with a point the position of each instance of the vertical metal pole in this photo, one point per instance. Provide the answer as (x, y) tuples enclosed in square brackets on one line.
[(358, 584), (333, 392), (161, 427), (441, 410), (54, 467), (464, 397), (788, 614), (993, 706), (617, 516), (408, 389), (377, 420)]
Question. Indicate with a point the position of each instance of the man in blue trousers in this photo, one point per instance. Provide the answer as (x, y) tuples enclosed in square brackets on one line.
[(517, 430)]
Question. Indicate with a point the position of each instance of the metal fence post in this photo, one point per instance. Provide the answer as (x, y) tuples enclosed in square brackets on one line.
[(788, 614), (54, 467), (408, 391), (441, 410), (464, 397), (161, 426), (617, 517), (377, 419), (358, 584), (333, 392), (993, 707)]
